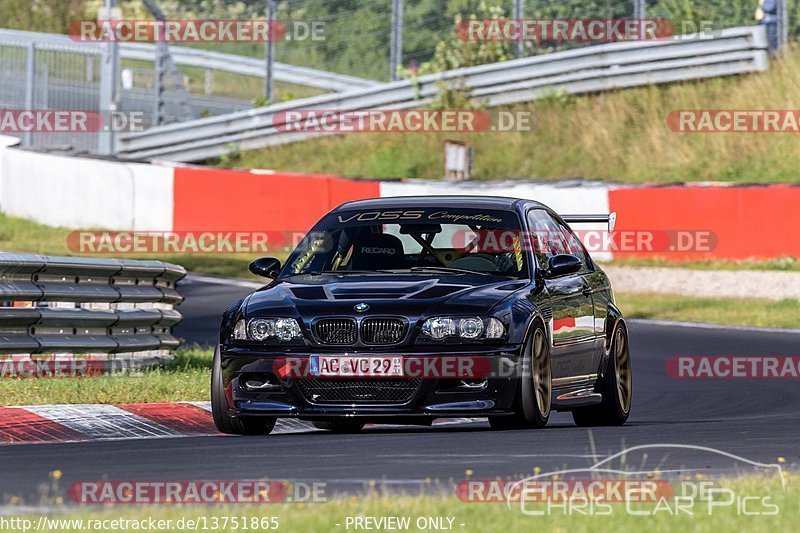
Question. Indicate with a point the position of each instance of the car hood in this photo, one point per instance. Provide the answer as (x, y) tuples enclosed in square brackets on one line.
[(410, 295)]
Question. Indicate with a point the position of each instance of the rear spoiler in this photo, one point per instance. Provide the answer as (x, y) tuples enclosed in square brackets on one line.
[(611, 218)]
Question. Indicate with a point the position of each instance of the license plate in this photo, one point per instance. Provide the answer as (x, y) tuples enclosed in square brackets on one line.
[(356, 366)]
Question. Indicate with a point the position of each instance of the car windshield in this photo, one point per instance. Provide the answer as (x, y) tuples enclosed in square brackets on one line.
[(431, 240)]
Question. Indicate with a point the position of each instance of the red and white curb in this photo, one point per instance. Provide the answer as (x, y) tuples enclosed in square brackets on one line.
[(95, 422)]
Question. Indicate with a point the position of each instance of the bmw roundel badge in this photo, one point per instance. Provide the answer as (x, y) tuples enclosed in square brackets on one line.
[(361, 308)]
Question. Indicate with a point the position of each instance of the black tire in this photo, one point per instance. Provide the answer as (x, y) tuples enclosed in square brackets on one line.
[(242, 425), (616, 386), (339, 426), (534, 389)]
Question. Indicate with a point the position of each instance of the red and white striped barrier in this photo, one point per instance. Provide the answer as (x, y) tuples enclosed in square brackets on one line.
[(747, 221)]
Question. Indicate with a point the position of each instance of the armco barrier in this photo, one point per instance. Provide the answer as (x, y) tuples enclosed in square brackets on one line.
[(69, 305), (583, 70)]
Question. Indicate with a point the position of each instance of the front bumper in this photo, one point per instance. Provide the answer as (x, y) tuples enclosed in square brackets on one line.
[(433, 394)]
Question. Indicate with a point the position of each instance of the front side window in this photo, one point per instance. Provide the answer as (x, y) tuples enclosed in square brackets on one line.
[(412, 240), (550, 237)]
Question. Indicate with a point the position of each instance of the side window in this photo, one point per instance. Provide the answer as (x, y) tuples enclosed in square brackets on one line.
[(550, 237), (543, 230), (575, 246)]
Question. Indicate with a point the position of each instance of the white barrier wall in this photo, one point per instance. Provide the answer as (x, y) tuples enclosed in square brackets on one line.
[(78, 192)]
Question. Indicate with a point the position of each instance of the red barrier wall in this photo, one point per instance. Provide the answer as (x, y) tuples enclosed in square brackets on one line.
[(757, 222), (228, 200)]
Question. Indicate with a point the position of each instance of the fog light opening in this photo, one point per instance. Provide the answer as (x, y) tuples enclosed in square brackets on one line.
[(260, 382), (462, 385), (472, 384)]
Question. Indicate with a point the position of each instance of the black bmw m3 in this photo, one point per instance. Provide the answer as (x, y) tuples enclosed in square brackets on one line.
[(404, 310)]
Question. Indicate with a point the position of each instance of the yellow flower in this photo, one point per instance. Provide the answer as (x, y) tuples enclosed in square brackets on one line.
[(537, 470), (56, 474), (59, 500), (14, 500), (469, 472), (371, 483), (781, 460)]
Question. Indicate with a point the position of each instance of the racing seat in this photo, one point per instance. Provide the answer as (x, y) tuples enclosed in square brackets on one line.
[(378, 251)]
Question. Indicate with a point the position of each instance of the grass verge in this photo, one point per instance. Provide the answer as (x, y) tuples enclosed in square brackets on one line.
[(726, 311), (773, 508), (618, 135), (185, 378)]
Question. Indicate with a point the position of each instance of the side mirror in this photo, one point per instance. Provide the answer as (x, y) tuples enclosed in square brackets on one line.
[(562, 264), (267, 267)]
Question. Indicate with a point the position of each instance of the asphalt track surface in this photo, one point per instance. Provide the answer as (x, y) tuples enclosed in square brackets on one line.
[(758, 420)]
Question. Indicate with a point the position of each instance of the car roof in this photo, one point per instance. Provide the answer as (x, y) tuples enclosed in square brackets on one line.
[(451, 201)]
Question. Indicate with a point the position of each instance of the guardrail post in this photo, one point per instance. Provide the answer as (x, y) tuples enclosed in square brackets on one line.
[(208, 86), (89, 67), (30, 82), (158, 78), (109, 67), (269, 52), (783, 24), (639, 9), (396, 46), (519, 14)]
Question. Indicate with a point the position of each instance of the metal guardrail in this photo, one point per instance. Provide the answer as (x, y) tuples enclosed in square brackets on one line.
[(86, 306), (195, 57), (583, 70)]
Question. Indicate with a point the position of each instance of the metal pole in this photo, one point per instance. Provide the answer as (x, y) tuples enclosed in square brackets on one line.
[(519, 14), (269, 52), (30, 81), (783, 23), (109, 62), (208, 86), (639, 9), (159, 87), (396, 46)]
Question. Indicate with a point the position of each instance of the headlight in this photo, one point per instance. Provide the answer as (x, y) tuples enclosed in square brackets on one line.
[(240, 331), (466, 328), (439, 328), (495, 329), (261, 329), (470, 328)]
